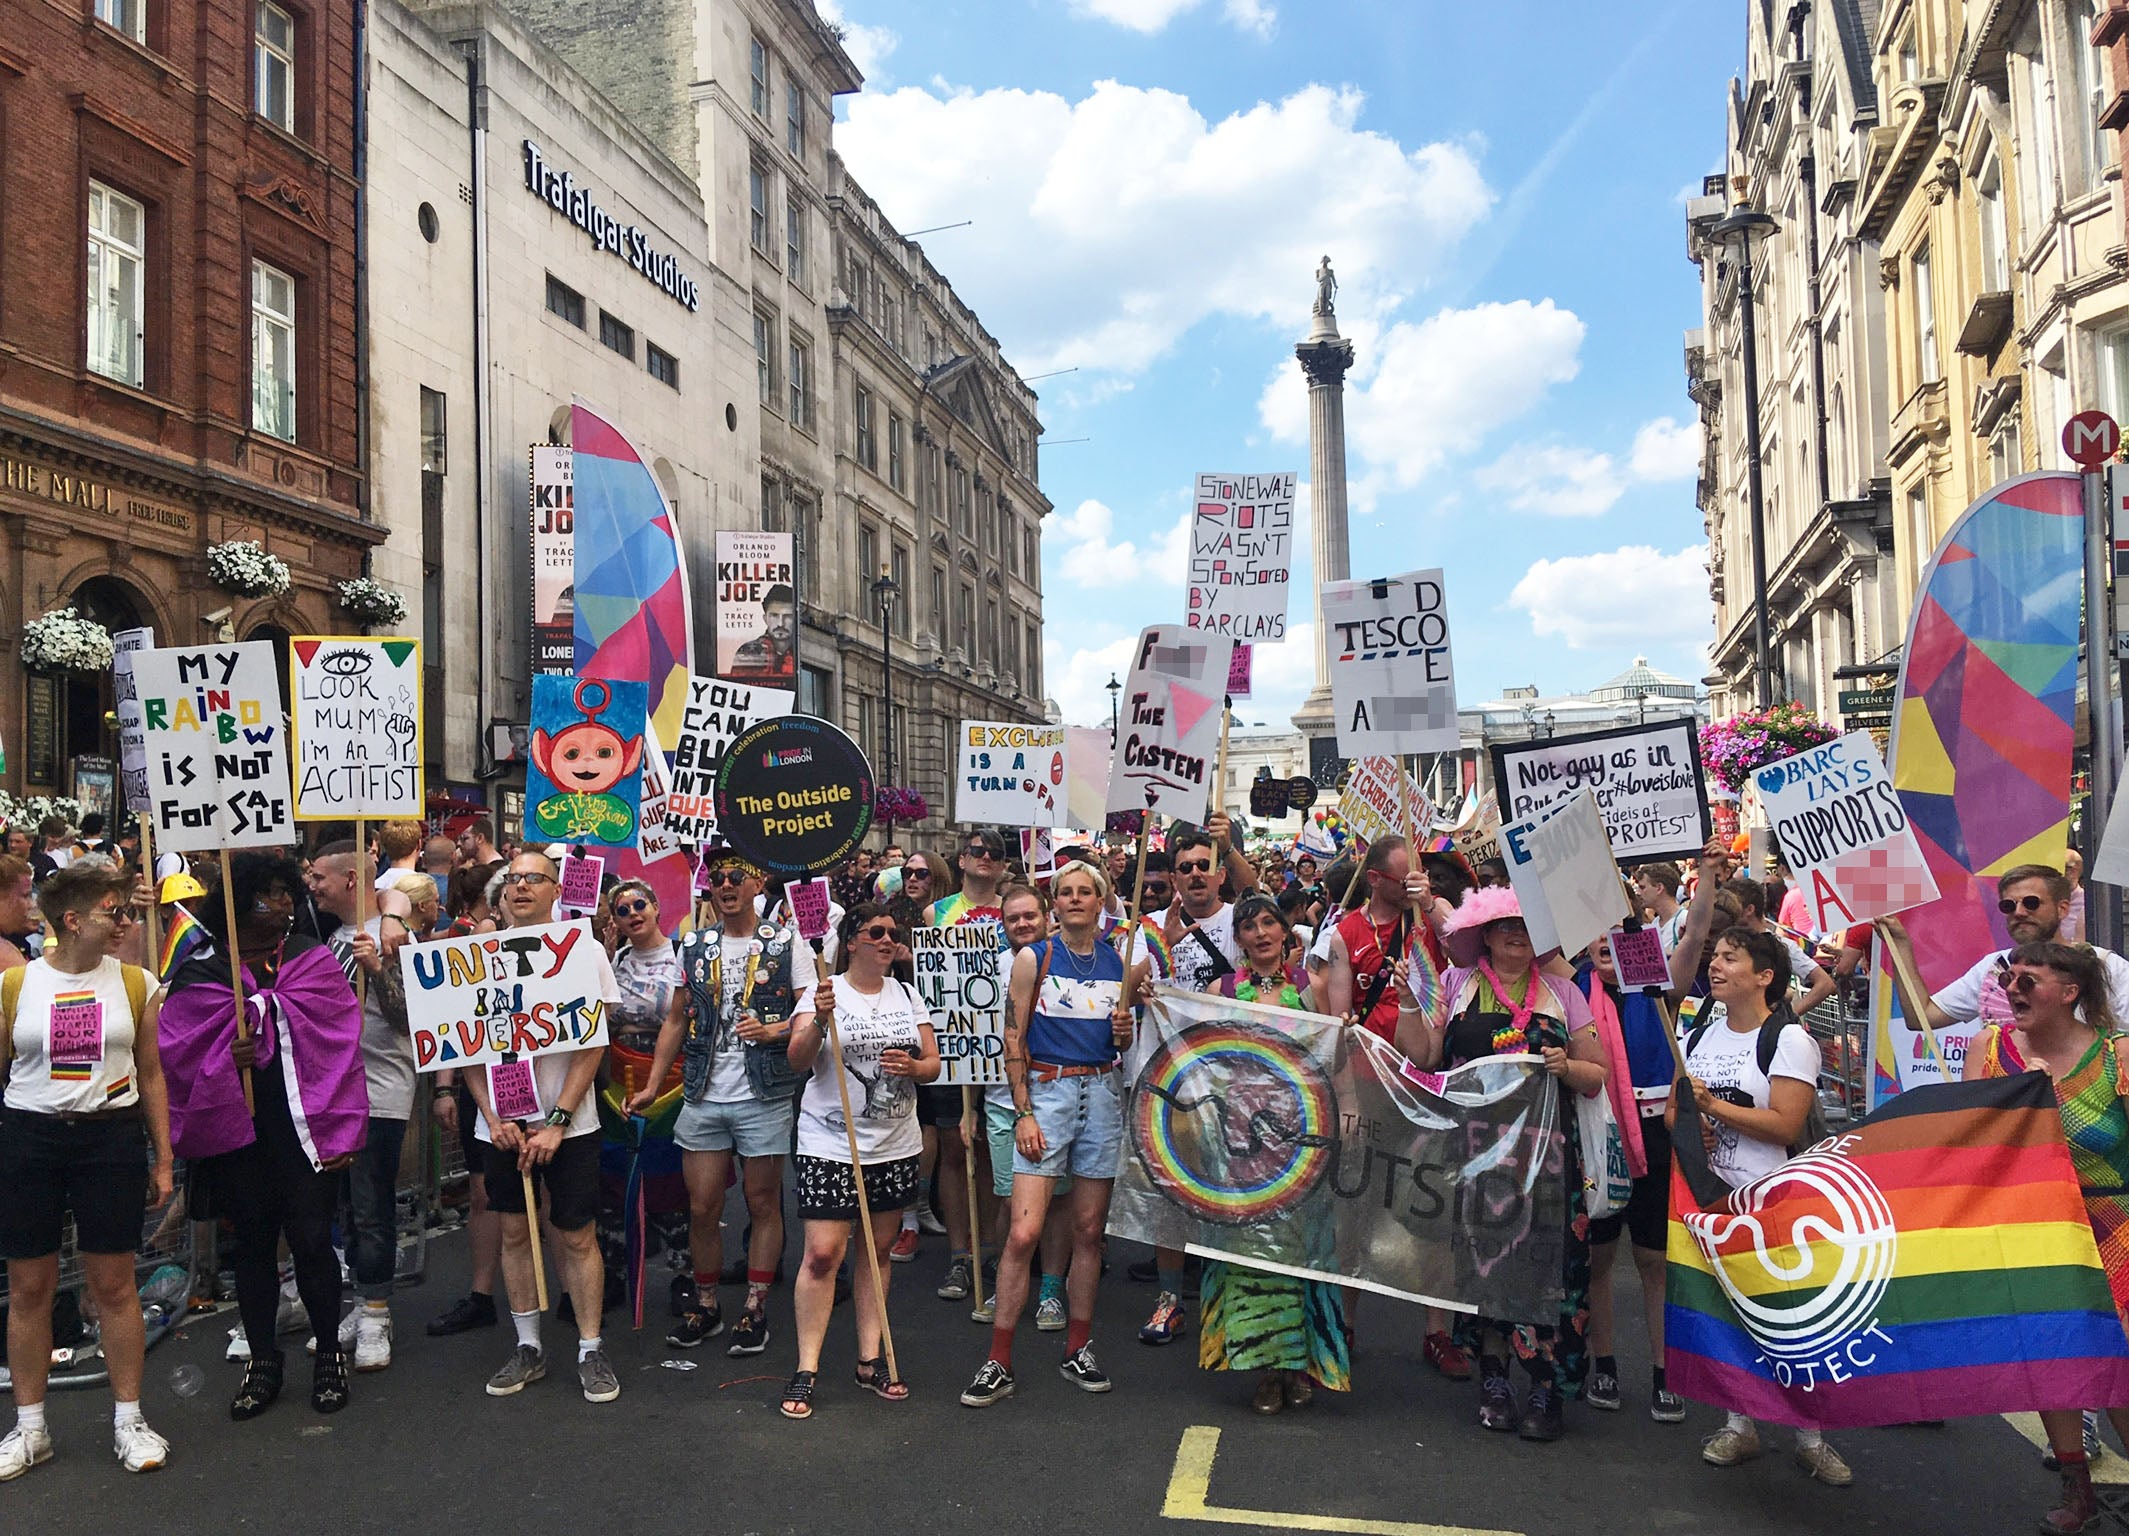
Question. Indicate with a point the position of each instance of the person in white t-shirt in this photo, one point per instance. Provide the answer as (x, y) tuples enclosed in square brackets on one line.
[(1752, 1118), (559, 1147)]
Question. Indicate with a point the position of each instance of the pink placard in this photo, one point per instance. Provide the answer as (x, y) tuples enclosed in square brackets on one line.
[(1238, 672), (77, 1031), (513, 1091), (1637, 955), (580, 881), (702, 877), (809, 907)]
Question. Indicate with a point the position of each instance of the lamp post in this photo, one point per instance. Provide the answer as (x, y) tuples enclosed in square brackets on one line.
[(1739, 227), (1115, 688), (883, 591), (1550, 722)]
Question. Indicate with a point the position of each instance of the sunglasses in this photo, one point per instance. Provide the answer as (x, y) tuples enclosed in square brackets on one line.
[(2019, 981), (631, 908), (1195, 867), (878, 931), (2023, 904), (527, 877), (979, 851), (1158, 887), (915, 872), (120, 914), (717, 877)]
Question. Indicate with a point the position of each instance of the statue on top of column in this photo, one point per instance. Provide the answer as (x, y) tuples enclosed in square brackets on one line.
[(1326, 289)]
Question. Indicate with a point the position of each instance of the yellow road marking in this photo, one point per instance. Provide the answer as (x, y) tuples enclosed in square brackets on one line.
[(1190, 1485), (2108, 1469)]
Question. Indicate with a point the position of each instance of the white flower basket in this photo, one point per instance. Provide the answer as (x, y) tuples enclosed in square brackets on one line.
[(243, 568), (371, 602), (63, 641)]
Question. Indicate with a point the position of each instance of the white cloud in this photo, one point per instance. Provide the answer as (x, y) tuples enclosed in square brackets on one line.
[(1087, 556), (1150, 16), (1105, 228), (868, 47), (1558, 482), (1630, 596), (1078, 678), (1253, 16), (1666, 450)]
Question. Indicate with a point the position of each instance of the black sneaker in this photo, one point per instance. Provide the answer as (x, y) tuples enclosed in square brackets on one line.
[(1080, 1370), (1496, 1398), (750, 1335), (1667, 1407), (993, 1381), (1602, 1391), (1542, 1417), (695, 1326), (467, 1313), (681, 1296)]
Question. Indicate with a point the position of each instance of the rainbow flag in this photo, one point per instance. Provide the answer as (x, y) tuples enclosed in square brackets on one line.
[(183, 936), (1152, 944), (1934, 1261)]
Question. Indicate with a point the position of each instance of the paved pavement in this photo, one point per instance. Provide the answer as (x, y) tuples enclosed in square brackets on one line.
[(706, 1450)]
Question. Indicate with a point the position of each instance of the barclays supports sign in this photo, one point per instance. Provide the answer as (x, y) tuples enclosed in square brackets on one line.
[(562, 193)]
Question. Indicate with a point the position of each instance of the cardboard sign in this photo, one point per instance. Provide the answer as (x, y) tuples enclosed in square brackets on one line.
[(757, 608), (584, 782), (1088, 752), (795, 796), (355, 729), (1011, 775), (1393, 678), (1268, 798), (554, 560), (1238, 671), (513, 1090), (1242, 555), (523, 992), (809, 907), (132, 745), (1169, 728), (960, 975), (582, 875), (1372, 806), (217, 755), (654, 829), (77, 1030), (1646, 778), (2111, 867), (1038, 852), (1637, 957), (1842, 829), (1300, 791), (716, 713), (1560, 865)]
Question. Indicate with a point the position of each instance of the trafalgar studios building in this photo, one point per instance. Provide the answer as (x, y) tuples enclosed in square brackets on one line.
[(526, 245)]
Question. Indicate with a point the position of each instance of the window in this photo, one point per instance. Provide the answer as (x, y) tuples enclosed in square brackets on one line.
[(565, 301), (1034, 660), (1006, 522), (868, 441), (765, 358), (795, 118), (814, 684), (758, 77), (434, 448), (2084, 98), (273, 351), (1995, 233), (127, 16), (772, 506), (895, 472), (990, 630), (663, 366), (934, 483), (758, 208), (798, 363), (965, 619), (795, 239), (1030, 537), (273, 54), (805, 538), (1926, 318), (964, 507), (868, 570), (938, 604), (2113, 359), (2043, 190), (1921, 535), (118, 228), (2005, 456), (902, 596), (616, 336), (1011, 670)]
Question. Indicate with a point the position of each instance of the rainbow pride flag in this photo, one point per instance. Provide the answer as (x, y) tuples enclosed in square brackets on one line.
[(183, 935), (1934, 1261)]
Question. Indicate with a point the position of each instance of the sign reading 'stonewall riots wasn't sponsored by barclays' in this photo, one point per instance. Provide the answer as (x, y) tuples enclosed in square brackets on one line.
[(562, 192)]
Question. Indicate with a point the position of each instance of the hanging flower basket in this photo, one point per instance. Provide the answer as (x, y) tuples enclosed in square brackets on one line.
[(900, 807), (32, 811), (243, 568), (371, 602), (64, 641), (1731, 749)]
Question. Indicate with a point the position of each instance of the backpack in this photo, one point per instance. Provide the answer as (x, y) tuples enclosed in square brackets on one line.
[(1770, 1034)]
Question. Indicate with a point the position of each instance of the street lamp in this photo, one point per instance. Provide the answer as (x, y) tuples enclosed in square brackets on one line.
[(1115, 688), (883, 591), (1550, 721), (1739, 228)]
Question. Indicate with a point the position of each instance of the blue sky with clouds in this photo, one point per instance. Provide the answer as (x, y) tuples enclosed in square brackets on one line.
[(1499, 187)]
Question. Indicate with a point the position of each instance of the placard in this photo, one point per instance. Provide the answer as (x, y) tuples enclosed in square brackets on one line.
[(1560, 864), (960, 974), (810, 900), (132, 747), (1011, 775), (1370, 804), (582, 876), (1238, 671), (584, 777), (654, 823), (554, 560), (717, 711), (1268, 799), (1393, 677), (522, 992), (1038, 852), (1638, 958), (757, 608), (1088, 752), (217, 755), (1843, 830), (355, 712), (1242, 555), (795, 796), (514, 1090), (1646, 778), (1170, 722)]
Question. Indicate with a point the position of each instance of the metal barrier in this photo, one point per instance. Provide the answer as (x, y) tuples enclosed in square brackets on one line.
[(1841, 1027)]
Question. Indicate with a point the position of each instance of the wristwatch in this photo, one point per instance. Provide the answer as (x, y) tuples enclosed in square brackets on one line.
[(558, 1118)]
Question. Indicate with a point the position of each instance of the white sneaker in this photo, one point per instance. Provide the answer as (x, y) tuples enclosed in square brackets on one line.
[(139, 1448), (373, 1339), (239, 1346), (291, 1317), (21, 1451), (1050, 1314), (346, 1335), (928, 1220)]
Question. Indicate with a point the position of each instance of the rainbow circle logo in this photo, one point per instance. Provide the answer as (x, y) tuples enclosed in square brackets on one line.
[(1234, 1123)]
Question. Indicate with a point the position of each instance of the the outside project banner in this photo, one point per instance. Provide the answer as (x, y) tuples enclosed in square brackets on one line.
[(1287, 1142), (554, 561)]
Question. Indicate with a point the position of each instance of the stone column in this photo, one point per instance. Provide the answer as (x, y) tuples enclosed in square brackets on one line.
[(1325, 357)]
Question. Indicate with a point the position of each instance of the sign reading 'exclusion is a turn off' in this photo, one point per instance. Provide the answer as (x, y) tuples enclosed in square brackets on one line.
[(794, 795)]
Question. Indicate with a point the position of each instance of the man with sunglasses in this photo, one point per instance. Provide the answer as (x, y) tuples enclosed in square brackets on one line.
[(729, 1024)]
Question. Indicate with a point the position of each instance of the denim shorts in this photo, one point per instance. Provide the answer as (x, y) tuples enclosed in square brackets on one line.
[(998, 1128), (1082, 1121), (750, 1127)]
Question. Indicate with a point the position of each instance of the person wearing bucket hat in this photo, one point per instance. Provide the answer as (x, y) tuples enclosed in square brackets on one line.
[(1496, 1001)]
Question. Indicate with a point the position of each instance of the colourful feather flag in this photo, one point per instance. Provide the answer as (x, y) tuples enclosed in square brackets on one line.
[(183, 936), (1934, 1261)]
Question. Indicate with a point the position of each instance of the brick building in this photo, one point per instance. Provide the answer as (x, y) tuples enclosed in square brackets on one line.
[(178, 308)]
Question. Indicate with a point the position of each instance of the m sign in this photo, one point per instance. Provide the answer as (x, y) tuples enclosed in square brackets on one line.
[(2091, 438)]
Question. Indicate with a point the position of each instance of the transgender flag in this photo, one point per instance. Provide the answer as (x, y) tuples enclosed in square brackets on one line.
[(632, 612)]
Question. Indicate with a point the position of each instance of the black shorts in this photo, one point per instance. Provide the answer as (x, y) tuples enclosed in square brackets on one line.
[(95, 1167), (570, 1178), (938, 1106), (1647, 1217), (826, 1192)]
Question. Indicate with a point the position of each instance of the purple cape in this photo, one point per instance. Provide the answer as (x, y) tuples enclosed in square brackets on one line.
[(314, 1020)]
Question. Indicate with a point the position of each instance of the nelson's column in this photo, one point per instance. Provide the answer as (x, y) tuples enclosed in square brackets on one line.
[(1325, 357)]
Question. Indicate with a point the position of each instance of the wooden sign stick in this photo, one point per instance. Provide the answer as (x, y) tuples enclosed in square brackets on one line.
[(1219, 773), (532, 1226), (972, 1119), (857, 1177), (152, 958), (363, 880), (236, 974)]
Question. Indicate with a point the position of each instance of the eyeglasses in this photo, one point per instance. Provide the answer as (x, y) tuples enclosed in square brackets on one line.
[(526, 877), (1158, 888), (878, 931), (2023, 904), (120, 914), (631, 908), (915, 872), (717, 877), (981, 851), (2020, 981), (1195, 867)]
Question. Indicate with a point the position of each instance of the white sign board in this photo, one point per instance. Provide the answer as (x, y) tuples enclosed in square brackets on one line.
[(1011, 775), (1646, 778), (132, 745), (1842, 829), (1242, 555), (522, 992), (1560, 864), (356, 726), (961, 976), (717, 713), (1393, 678), (1169, 725), (217, 755), (1087, 761), (654, 827), (1372, 806)]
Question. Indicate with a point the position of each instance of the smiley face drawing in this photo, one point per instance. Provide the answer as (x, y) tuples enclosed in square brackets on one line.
[(584, 761)]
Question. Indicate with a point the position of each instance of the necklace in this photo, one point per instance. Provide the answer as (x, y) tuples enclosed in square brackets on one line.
[(1513, 1038), (1251, 988), (1082, 972)]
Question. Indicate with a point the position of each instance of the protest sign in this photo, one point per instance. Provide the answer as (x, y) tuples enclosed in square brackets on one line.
[(810, 900), (582, 875), (514, 1090), (794, 795), (584, 783), (125, 696), (717, 711), (1560, 864), (1843, 831), (1011, 775), (1087, 758), (1638, 959), (1371, 805), (217, 756), (1170, 722), (960, 975), (355, 726), (1038, 852), (1268, 798), (654, 829), (757, 608), (1242, 555), (1393, 678), (2112, 865), (1646, 778), (554, 560), (1238, 671), (521, 992)]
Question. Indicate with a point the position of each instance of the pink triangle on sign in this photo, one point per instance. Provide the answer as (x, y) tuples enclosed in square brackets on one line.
[(1190, 707)]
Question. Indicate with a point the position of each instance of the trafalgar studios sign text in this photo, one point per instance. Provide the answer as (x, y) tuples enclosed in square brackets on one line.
[(573, 202)]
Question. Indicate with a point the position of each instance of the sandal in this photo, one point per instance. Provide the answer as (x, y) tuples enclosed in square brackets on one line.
[(872, 1376), (798, 1397), (328, 1381), (262, 1385)]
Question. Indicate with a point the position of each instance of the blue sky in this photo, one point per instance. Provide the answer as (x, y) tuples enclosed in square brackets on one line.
[(1499, 187)]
